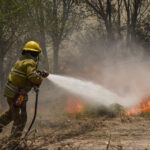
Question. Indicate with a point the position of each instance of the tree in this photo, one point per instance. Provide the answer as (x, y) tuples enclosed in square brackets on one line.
[(103, 10), (119, 3), (134, 10), (62, 19), (38, 20), (10, 32)]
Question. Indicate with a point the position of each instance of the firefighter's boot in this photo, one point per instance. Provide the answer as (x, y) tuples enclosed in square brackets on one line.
[(5, 119)]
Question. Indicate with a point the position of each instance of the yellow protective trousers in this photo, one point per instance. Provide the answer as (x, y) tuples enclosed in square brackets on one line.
[(16, 114)]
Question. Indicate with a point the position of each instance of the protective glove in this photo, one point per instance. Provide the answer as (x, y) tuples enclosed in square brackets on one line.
[(44, 74)]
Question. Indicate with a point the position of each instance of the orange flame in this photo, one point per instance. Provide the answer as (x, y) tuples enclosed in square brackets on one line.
[(73, 105), (143, 106)]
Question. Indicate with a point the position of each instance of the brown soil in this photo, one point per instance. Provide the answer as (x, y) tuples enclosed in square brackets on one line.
[(90, 133)]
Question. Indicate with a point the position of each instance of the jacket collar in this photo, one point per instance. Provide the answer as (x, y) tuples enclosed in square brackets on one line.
[(27, 56)]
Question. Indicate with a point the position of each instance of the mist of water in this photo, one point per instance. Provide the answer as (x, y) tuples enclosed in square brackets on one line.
[(89, 91)]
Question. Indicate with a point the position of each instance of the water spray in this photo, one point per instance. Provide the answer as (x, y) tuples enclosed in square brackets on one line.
[(91, 92)]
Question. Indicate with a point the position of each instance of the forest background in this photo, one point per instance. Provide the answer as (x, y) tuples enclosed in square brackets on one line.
[(76, 36)]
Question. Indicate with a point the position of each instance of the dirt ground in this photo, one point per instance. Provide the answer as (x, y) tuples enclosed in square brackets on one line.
[(99, 134), (89, 133)]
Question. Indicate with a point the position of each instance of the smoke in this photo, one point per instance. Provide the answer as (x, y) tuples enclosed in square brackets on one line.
[(120, 67)]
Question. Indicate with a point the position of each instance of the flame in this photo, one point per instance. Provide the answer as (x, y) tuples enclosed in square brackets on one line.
[(143, 106), (73, 105)]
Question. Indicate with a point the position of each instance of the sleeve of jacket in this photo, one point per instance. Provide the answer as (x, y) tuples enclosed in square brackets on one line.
[(32, 74)]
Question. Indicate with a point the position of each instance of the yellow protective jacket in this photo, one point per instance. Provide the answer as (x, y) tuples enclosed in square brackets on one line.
[(23, 75)]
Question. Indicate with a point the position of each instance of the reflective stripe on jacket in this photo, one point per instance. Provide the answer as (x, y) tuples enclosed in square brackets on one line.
[(23, 74)]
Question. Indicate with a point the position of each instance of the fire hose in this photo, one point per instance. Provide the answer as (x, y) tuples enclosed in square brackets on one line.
[(36, 89)]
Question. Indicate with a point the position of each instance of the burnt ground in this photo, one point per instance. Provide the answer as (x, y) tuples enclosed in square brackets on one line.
[(88, 133)]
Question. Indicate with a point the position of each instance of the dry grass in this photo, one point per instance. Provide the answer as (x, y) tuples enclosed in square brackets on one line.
[(95, 129)]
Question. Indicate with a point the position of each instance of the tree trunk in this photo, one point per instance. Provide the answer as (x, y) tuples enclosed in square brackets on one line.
[(108, 29), (136, 6), (1, 80), (127, 6), (42, 38), (43, 46), (108, 21), (119, 2), (55, 58)]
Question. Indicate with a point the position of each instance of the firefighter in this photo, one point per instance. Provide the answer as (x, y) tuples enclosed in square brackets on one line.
[(21, 79)]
